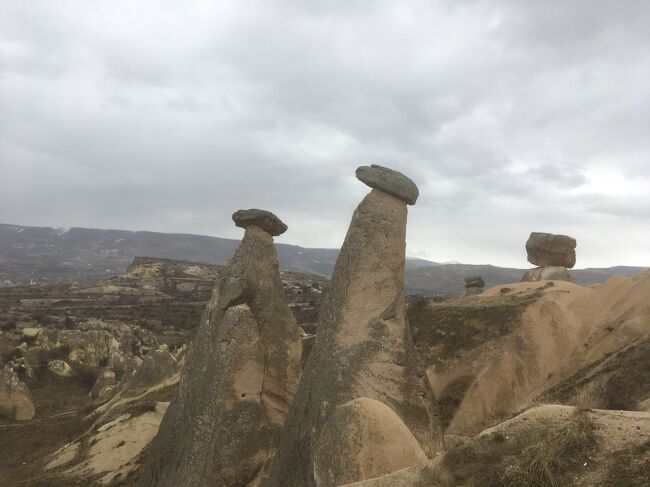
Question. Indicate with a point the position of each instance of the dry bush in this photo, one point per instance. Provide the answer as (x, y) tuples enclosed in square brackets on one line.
[(559, 451), (493, 462), (432, 477)]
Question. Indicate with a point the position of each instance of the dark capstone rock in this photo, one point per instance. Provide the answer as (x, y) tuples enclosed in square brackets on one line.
[(474, 281), (263, 219), (389, 181), (547, 249)]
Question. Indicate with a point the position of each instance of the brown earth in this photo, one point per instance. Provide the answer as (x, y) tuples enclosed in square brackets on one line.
[(61, 406), (491, 356)]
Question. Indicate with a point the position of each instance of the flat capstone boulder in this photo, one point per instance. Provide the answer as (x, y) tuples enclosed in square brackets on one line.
[(263, 219), (547, 249), (389, 181)]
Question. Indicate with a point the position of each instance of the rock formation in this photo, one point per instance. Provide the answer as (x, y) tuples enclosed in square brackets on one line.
[(157, 366), (547, 249), (60, 368), (548, 273), (241, 375), (15, 399), (553, 254), (364, 406), (105, 386), (474, 285)]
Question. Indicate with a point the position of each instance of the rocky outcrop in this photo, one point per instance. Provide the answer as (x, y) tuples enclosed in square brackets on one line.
[(242, 371), (263, 219), (474, 285), (554, 254), (15, 399), (550, 273), (97, 343), (105, 386), (60, 368), (363, 364), (547, 249), (157, 366)]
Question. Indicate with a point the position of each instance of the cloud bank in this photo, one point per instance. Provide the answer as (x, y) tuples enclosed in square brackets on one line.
[(511, 116)]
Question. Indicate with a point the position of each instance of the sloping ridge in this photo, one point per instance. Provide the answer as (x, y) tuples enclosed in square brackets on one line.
[(566, 335)]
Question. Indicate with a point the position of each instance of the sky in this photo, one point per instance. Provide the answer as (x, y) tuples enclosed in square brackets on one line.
[(511, 116)]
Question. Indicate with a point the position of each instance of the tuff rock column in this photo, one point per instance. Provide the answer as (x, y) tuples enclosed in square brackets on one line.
[(364, 407), (241, 375)]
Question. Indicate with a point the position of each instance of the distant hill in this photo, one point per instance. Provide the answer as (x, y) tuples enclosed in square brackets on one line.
[(43, 254)]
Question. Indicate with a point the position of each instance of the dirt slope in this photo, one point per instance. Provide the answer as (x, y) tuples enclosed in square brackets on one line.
[(491, 356), (545, 446)]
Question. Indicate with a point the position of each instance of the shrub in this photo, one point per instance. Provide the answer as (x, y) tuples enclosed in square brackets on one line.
[(559, 451), (8, 325), (497, 462)]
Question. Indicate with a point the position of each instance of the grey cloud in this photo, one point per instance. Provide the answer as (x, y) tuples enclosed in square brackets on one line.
[(562, 175), (168, 116)]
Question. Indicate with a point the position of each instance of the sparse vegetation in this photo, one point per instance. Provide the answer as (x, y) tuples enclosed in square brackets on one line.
[(630, 468), (8, 325), (443, 330), (540, 462), (451, 397), (141, 408), (69, 323), (630, 381), (430, 477)]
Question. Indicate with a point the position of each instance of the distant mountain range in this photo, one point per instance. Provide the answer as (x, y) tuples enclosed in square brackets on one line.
[(43, 254)]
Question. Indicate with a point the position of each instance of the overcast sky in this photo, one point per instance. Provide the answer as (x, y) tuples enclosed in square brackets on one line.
[(512, 116)]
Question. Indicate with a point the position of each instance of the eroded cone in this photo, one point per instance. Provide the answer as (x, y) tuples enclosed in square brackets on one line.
[(363, 375), (242, 371)]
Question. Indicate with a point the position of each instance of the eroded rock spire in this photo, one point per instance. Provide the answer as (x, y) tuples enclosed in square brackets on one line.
[(241, 375), (364, 407)]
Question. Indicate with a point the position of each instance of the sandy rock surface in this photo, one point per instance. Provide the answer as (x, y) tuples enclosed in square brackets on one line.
[(15, 398), (550, 341), (363, 349), (60, 368), (241, 374), (549, 273), (374, 439)]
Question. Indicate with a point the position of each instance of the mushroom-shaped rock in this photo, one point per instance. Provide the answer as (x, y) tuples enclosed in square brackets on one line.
[(363, 349), (240, 376), (547, 249), (263, 219), (389, 181)]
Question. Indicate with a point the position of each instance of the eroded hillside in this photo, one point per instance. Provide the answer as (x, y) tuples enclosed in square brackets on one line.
[(493, 355), (514, 368)]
